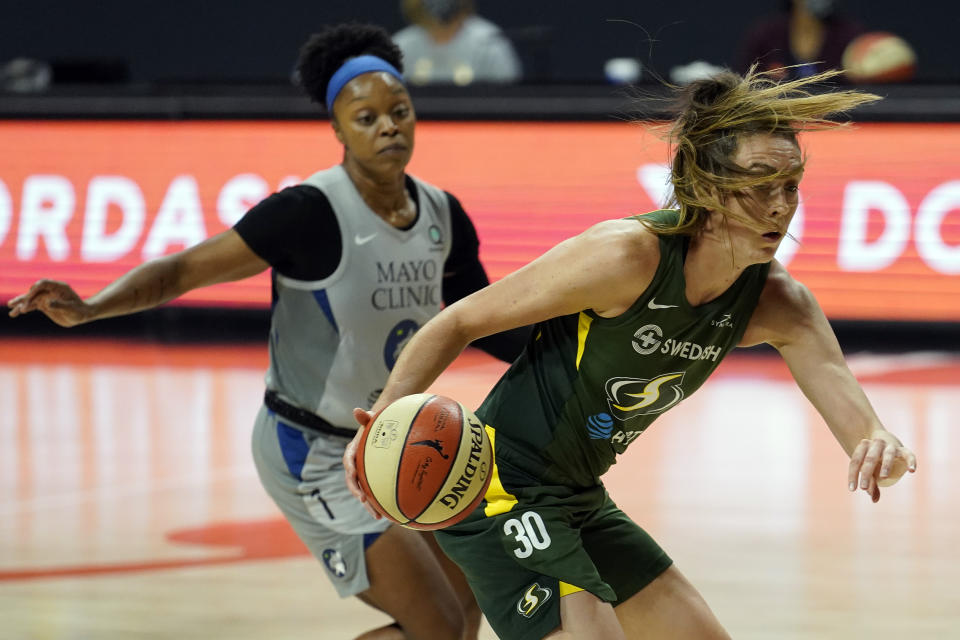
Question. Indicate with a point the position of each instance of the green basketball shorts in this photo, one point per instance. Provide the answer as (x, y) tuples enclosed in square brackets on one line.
[(523, 549)]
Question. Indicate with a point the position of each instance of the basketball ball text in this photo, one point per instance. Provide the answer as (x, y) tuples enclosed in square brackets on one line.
[(452, 498)]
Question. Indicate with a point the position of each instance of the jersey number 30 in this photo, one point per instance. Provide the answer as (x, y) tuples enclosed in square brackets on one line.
[(529, 531)]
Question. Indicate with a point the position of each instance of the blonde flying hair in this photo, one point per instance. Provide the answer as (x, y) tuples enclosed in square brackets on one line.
[(714, 113)]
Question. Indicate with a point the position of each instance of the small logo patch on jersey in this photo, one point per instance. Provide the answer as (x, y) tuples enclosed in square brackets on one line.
[(532, 599), (436, 237), (362, 240), (599, 426), (397, 339), (631, 397), (723, 321), (334, 562), (647, 339), (654, 305)]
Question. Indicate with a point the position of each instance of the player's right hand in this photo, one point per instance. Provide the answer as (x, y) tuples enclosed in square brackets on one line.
[(350, 461), (57, 300)]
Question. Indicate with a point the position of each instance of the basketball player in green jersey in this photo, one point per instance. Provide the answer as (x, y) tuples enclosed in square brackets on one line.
[(632, 316)]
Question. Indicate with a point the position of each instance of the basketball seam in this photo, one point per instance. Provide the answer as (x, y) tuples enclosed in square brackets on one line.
[(470, 507), (362, 452), (403, 450), (453, 457)]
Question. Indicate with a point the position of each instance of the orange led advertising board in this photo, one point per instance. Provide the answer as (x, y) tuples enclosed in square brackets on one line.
[(877, 233)]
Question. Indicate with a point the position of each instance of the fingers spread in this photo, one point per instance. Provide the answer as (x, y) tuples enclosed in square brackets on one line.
[(870, 463), (886, 460), (856, 460)]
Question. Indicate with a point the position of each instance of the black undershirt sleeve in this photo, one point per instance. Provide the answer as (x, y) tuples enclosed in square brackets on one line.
[(296, 232), (463, 274)]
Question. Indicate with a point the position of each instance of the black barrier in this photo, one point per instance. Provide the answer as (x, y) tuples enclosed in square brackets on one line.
[(902, 103)]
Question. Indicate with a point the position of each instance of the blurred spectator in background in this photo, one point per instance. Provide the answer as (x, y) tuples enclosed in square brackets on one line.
[(25, 75), (805, 38), (447, 43), (29, 75)]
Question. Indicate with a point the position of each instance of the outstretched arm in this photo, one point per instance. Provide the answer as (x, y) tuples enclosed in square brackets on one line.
[(789, 318), (222, 258)]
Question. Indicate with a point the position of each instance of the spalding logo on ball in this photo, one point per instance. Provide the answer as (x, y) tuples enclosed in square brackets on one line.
[(425, 461)]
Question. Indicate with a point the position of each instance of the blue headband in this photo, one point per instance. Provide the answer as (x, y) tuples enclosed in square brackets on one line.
[(353, 68)]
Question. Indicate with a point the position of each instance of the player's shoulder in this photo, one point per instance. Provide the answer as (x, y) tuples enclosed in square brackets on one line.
[(297, 201), (786, 309), (433, 192), (786, 306), (301, 193), (625, 243), (783, 291)]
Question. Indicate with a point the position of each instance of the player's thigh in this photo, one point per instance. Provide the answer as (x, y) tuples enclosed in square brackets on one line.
[(458, 582), (304, 476), (408, 583), (391, 568), (669, 607), (586, 617), (521, 563), (625, 555)]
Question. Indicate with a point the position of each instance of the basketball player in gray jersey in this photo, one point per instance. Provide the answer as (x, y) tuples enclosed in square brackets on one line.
[(362, 255)]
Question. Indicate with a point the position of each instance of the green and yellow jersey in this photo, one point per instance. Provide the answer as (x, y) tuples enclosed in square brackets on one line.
[(588, 386)]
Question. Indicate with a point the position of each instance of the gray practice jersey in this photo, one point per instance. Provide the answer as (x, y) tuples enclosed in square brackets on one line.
[(334, 341)]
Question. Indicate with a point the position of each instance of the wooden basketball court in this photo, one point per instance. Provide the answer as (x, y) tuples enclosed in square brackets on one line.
[(130, 508)]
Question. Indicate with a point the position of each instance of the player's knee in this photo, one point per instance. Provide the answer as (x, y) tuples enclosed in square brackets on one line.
[(447, 625), (472, 615)]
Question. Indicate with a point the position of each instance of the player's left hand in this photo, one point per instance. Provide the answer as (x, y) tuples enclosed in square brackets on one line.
[(879, 461)]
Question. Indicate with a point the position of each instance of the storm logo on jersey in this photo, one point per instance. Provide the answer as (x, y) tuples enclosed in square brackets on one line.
[(631, 397)]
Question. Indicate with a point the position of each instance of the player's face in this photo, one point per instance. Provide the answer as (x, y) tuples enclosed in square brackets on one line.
[(374, 120), (771, 205)]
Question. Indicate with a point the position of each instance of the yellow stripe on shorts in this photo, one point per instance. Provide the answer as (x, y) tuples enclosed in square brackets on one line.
[(567, 589), (498, 500)]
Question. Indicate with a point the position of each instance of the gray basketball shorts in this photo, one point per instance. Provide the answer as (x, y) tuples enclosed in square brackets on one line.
[(303, 473)]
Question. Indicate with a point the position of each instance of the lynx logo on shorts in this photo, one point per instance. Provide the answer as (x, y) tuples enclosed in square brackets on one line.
[(334, 562), (533, 598), (631, 397)]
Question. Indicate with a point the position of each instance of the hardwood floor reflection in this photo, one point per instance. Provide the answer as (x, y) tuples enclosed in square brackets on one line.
[(129, 506)]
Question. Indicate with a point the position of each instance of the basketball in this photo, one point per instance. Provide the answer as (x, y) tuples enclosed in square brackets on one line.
[(424, 461), (879, 57)]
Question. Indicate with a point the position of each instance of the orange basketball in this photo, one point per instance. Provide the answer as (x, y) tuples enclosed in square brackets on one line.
[(425, 461), (879, 57)]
